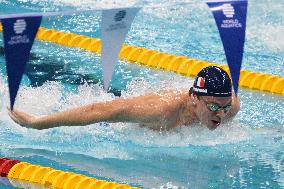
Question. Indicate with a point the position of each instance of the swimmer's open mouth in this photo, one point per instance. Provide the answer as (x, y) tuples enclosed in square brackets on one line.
[(216, 123)]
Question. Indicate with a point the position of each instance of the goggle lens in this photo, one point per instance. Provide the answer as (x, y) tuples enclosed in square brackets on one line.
[(215, 107)]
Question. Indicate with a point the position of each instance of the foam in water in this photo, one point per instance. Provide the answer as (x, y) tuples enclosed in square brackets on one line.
[(2, 92), (90, 3), (272, 37)]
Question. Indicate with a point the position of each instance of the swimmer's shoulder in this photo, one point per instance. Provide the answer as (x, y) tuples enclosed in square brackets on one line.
[(172, 92)]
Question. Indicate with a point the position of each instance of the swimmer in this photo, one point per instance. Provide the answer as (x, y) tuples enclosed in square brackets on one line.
[(210, 102)]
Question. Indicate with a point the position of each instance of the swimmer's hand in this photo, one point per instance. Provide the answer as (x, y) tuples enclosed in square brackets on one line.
[(22, 118)]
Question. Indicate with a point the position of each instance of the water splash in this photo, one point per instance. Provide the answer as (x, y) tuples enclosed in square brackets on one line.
[(97, 139), (2, 92)]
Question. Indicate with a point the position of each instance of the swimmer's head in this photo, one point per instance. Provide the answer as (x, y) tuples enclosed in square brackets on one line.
[(212, 95)]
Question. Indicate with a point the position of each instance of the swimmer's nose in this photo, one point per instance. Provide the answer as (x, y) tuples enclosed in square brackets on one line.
[(221, 113)]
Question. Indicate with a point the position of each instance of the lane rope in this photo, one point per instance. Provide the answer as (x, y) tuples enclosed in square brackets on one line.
[(161, 60), (52, 178)]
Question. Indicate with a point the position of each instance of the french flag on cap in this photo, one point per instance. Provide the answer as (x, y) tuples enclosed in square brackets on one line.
[(200, 82)]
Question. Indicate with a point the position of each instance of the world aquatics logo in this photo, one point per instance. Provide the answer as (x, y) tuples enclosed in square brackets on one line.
[(120, 15), (19, 26), (228, 10)]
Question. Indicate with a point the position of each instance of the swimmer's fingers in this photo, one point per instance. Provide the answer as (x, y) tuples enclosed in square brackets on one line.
[(21, 118), (12, 116)]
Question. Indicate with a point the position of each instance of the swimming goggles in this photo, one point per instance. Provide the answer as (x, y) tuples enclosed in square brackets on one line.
[(215, 107)]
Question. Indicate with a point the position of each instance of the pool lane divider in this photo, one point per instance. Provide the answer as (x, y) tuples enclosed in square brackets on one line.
[(160, 60), (52, 178)]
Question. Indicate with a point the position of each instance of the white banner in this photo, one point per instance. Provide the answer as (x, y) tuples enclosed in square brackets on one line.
[(115, 25)]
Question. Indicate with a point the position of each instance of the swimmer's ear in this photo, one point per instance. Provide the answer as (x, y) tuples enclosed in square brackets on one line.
[(192, 98), (190, 92)]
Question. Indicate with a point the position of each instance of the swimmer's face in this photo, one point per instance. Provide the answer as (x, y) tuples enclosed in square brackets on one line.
[(212, 110)]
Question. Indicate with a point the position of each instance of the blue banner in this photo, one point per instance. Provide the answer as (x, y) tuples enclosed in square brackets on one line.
[(230, 17), (19, 34)]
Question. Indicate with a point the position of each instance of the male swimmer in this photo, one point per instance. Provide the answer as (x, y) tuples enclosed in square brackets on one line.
[(210, 102)]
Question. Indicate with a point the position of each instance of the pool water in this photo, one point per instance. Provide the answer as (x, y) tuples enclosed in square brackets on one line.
[(246, 153)]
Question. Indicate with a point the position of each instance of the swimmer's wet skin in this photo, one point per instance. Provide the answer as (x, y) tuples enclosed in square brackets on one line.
[(210, 101)]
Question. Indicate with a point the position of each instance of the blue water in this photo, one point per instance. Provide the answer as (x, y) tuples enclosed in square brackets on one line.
[(246, 153)]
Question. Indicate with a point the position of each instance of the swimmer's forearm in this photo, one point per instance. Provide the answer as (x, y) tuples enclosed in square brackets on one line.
[(57, 120), (84, 115)]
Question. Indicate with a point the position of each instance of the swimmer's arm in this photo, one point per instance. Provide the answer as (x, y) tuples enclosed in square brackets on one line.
[(119, 110), (84, 115)]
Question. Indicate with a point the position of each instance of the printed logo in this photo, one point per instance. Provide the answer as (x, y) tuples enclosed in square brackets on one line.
[(120, 15), (228, 10), (20, 26), (200, 82)]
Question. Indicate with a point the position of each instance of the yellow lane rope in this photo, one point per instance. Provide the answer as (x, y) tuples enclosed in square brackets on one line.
[(160, 60), (57, 179)]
